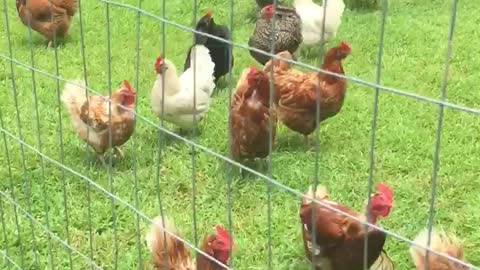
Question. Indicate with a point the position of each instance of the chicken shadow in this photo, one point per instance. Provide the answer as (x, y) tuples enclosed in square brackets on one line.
[(296, 144), (240, 174)]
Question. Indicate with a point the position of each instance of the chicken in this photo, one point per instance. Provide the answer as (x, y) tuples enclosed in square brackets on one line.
[(179, 92), (93, 121), (219, 50), (51, 18), (441, 242), (263, 3), (298, 101), (251, 115), (312, 16), (339, 240), (288, 35), (172, 254)]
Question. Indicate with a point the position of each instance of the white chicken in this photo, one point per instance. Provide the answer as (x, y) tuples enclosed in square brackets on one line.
[(181, 92), (312, 15)]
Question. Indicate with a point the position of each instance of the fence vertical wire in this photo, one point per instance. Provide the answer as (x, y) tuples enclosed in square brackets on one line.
[(109, 168), (27, 183), (229, 175), (272, 37), (160, 140), (134, 146), (88, 187), (373, 128), (436, 155), (62, 159), (5, 254), (12, 191), (194, 116)]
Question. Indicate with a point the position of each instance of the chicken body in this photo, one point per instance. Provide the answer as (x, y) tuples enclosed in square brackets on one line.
[(299, 99), (219, 50), (181, 92), (93, 122), (288, 35), (440, 242), (48, 17), (251, 116), (170, 253), (312, 16), (339, 240)]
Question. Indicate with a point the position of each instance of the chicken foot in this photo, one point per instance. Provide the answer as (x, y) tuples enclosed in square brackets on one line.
[(118, 152), (101, 158)]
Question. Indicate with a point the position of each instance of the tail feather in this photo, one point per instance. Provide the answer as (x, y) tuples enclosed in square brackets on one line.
[(203, 68), (320, 194), (440, 242), (383, 262), (167, 252), (73, 96)]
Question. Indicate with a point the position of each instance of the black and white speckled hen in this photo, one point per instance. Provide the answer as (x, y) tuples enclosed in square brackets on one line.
[(288, 32), (219, 51)]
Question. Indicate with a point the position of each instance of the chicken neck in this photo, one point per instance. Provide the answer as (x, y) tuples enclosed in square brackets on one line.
[(170, 77)]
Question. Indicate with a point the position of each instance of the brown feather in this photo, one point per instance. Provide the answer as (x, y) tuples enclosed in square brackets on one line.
[(301, 93)]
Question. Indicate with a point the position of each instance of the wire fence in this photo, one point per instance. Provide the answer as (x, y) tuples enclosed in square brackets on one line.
[(43, 242)]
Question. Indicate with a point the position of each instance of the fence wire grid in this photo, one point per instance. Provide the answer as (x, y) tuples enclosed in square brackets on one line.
[(49, 224)]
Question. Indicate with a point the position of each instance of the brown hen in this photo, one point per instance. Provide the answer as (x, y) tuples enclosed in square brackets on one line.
[(297, 105), (442, 243), (251, 115), (93, 122), (339, 240), (169, 253), (48, 17)]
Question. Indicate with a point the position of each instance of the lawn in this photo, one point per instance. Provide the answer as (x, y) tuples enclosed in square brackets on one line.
[(414, 55)]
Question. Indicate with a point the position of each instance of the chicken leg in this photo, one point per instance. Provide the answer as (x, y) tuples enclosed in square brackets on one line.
[(118, 152), (307, 141), (102, 160)]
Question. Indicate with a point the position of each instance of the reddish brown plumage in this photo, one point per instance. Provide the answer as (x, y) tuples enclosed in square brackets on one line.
[(93, 121), (47, 17), (171, 254), (441, 242), (215, 246), (251, 116), (298, 100), (339, 239)]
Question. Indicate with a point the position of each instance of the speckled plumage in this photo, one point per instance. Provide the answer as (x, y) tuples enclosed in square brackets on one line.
[(288, 34)]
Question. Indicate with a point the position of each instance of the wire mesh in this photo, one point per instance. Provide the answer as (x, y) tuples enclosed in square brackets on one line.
[(65, 240)]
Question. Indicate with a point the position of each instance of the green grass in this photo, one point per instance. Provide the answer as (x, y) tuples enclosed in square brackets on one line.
[(415, 49)]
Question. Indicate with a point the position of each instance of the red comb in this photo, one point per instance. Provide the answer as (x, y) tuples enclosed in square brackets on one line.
[(345, 45), (385, 190), (159, 60), (127, 85), (224, 235), (209, 13)]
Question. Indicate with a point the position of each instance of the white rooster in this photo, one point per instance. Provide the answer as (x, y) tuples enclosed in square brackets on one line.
[(179, 92), (312, 15)]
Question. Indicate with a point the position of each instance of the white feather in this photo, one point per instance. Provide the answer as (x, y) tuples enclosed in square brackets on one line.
[(181, 92), (312, 15)]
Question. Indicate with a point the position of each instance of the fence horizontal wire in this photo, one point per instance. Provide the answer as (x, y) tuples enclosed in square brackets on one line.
[(268, 179)]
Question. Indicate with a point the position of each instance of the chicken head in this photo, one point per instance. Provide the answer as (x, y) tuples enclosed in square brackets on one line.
[(267, 12), (160, 66), (127, 94), (381, 202), (343, 50), (221, 245)]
